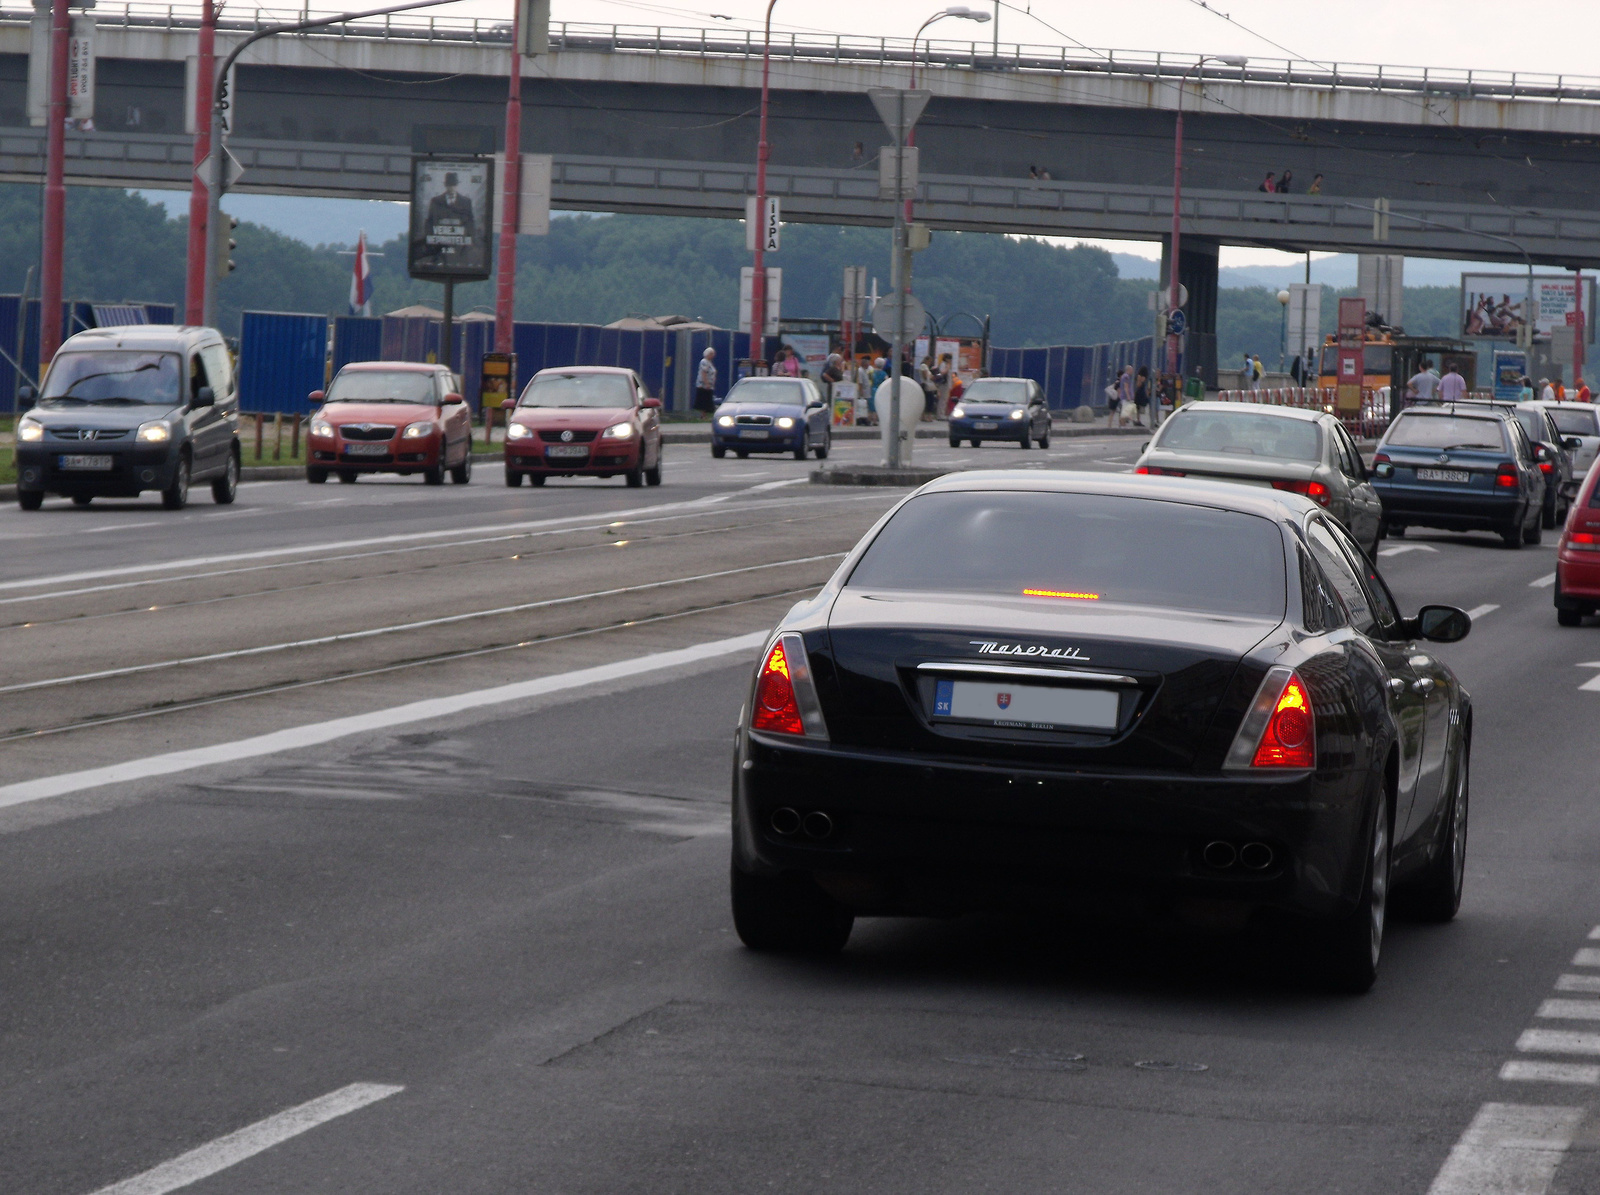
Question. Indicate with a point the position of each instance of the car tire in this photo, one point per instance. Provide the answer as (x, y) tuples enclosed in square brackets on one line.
[(741, 454), (1512, 536), (513, 478), (348, 477), (30, 499), (462, 474), (822, 449), (976, 443), (226, 488), (536, 479), (1435, 895), (635, 477), (1533, 533), (1550, 515), (718, 451), (433, 476), (316, 476), (788, 915), (1564, 618), (1044, 440), (804, 450), (954, 443), (1353, 946), (82, 499), (653, 476), (1027, 440), (176, 495)]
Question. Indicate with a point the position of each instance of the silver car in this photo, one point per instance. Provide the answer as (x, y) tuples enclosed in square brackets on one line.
[(1577, 421), (1304, 452)]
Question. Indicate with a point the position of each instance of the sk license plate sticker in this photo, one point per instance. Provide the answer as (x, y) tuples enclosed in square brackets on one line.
[(1027, 706)]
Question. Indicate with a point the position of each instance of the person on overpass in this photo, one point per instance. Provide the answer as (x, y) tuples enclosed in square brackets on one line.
[(1424, 384), (1284, 181), (1452, 387), (705, 381), (1316, 186), (1268, 184)]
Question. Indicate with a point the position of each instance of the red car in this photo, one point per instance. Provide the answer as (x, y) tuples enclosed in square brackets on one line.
[(585, 421), (1578, 557), (391, 417)]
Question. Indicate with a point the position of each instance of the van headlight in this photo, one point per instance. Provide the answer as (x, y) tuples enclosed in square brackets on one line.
[(30, 431), (618, 431), (518, 431), (415, 431), (153, 433)]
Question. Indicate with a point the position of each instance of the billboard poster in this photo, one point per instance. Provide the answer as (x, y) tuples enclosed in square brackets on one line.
[(450, 205), (812, 350), (1492, 304)]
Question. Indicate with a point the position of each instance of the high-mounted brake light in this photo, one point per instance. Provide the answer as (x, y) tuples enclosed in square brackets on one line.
[(1279, 730), (1061, 593), (786, 699), (1314, 490), (1158, 471)]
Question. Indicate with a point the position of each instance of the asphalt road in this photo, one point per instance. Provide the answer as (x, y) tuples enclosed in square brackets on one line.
[(481, 944)]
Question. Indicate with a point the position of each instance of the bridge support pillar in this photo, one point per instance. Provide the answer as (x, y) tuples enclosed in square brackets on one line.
[(1197, 273)]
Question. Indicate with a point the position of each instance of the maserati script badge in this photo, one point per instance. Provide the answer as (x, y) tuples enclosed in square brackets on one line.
[(1037, 651)]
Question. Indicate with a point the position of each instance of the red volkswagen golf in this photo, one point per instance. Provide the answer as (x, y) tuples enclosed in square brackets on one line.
[(585, 421), (1578, 557), (391, 417)]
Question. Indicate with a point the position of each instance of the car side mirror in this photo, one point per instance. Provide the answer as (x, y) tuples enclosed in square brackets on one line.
[(1442, 624), (1383, 469), (317, 396), (651, 404), (1571, 442), (204, 397), (453, 397), (26, 393)]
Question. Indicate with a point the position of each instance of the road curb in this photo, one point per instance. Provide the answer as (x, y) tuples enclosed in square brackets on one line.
[(877, 475)]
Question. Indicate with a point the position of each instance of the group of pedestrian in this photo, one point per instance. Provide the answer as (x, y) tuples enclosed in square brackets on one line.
[(1555, 391), (1276, 184), (1254, 371), (1425, 385), (1128, 398)]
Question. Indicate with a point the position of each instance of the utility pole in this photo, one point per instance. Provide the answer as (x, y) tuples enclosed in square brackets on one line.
[(758, 274), (899, 285), (511, 206), (194, 295), (55, 189)]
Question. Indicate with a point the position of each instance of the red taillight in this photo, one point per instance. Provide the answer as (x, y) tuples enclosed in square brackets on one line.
[(1288, 741), (1142, 469), (1314, 490), (1584, 541), (1158, 471), (1381, 458), (1506, 477), (1546, 467), (776, 708)]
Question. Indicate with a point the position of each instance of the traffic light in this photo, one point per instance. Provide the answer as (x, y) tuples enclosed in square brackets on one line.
[(226, 245)]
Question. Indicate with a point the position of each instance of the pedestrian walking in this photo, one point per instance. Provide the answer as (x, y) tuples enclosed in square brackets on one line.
[(1561, 390), (1423, 385), (1141, 395), (1583, 394), (1283, 182), (1127, 409), (1268, 184), (1547, 392), (1257, 372), (941, 381), (930, 393), (880, 374), (788, 363), (1452, 387), (705, 382), (1526, 393)]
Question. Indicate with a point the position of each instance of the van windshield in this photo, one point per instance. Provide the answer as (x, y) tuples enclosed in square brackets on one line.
[(112, 378)]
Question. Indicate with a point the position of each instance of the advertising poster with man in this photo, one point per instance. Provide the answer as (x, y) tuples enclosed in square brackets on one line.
[(450, 216)]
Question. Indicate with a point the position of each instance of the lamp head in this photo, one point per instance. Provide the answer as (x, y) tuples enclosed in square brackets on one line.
[(1229, 59), (965, 13)]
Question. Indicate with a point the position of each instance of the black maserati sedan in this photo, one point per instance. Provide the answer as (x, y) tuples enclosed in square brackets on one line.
[(1018, 687)]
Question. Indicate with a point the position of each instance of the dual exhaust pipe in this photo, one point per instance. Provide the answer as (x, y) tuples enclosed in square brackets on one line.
[(1252, 856), (815, 825)]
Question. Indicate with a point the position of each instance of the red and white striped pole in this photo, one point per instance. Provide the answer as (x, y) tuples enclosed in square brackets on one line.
[(511, 195), (194, 292), (55, 188)]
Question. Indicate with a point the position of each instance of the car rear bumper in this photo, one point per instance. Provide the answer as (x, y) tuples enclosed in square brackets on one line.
[(1462, 511), (604, 459), (1578, 578), (135, 469), (918, 836)]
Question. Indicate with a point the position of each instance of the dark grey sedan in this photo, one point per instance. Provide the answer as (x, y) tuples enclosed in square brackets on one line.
[(1303, 452)]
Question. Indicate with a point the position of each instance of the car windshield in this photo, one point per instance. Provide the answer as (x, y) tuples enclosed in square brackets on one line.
[(1081, 547), (577, 390), (768, 390), (1006, 390), (1243, 433), (113, 378), (383, 385), (1575, 423), (1445, 431)]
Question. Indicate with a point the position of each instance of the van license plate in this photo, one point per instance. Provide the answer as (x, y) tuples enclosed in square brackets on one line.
[(1459, 475), (100, 464)]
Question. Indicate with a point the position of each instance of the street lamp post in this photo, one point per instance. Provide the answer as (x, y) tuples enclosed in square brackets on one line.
[(1177, 195), (55, 188), (511, 195), (1283, 329), (217, 184)]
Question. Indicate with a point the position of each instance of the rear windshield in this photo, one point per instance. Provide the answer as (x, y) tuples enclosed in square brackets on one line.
[(1574, 423), (112, 378), (577, 390), (383, 385), (1446, 431), (768, 390), (1080, 548), (1243, 433), (1005, 390)]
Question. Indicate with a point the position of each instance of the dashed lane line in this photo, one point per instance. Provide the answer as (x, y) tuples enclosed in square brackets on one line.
[(1478, 612), (1569, 1010), (1402, 549), (1543, 582), (316, 733), (1524, 1070), (1511, 1148), (1558, 1041), (1592, 685), (215, 1156)]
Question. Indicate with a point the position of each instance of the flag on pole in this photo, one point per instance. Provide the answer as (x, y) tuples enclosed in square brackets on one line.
[(361, 280)]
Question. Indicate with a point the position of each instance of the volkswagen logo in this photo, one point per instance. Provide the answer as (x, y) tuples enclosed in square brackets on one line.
[(1444, 458), (566, 436)]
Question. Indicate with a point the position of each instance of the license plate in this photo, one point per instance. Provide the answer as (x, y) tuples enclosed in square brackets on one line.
[(1028, 707), (565, 452), (752, 433), (366, 450), (100, 464), (986, 427), (1443, 475)]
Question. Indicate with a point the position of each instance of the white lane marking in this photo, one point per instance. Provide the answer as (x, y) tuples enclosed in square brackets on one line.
[(1570, 1010), (778, 485), (1509, 1148), (421, 624), (1478, 612), (1592, 685), (401, 715), (1594, 934), (1543, 582), (1522, 1070), (129, 526), (1589, 956), (1558, 1041), (1401, 549), (1579, 983), (218, 1155)]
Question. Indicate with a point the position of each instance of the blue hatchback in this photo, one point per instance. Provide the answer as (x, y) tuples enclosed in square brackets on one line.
[(772, 415), (1460, 468), (1010, 409)]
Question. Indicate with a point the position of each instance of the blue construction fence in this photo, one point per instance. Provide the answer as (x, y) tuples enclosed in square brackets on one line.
[(77, 315), (1073, 375)]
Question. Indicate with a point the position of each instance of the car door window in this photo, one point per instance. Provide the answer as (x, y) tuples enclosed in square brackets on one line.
[(1384, 608), (220, 370), (1337, 568), (198, 377), (1349, 458), (1320, 610)]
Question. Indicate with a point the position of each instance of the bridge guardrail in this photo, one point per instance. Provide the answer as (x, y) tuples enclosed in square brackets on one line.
[(974, 55), (1368, 424)]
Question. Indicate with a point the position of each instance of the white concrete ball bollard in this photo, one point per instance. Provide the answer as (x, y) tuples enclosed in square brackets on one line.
[(911, 406)]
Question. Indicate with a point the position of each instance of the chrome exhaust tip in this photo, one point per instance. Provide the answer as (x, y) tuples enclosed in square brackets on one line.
[(818, 825), (785, 821), (1257, 856), (1219, 855)]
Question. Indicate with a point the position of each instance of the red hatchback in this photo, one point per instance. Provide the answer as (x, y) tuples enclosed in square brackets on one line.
[(391, 417), (1578, 557), (585, 421)]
